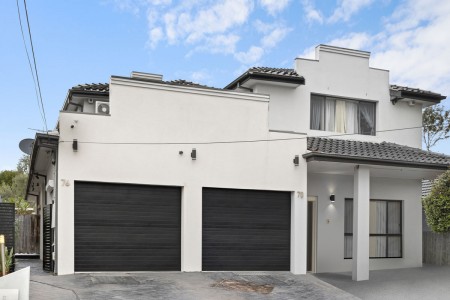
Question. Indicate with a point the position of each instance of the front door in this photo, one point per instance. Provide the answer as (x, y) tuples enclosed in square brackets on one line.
[(311, 238)]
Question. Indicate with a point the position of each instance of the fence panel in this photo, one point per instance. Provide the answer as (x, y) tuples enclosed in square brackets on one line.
[(436, 248)]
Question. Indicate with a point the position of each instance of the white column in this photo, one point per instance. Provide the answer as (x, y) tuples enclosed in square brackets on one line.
[(191, 228), (299, 216), (361, 213)]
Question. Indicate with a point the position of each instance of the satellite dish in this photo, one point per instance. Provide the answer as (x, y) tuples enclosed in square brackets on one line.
[(26, 145)]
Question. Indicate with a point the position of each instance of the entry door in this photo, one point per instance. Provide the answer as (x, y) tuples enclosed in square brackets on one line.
[(311, 234)]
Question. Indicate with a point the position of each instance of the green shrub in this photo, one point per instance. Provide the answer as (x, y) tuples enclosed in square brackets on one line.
[(8, 261), (437, 204)]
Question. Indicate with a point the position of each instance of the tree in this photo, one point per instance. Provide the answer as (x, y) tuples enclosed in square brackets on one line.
[(23, 166), (16, 189), (437, 204), (436, 125), (7, 176)]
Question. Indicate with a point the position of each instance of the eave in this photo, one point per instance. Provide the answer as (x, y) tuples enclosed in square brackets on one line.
[(315, 156), (241, 80)]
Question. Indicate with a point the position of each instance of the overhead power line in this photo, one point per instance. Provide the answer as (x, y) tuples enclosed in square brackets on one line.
[(231, 142), (29, 63), (35, 65)]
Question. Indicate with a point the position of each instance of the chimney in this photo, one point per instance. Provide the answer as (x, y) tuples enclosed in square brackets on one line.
[(146, 76)]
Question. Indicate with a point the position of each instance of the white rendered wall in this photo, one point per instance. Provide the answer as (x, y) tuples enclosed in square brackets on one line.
[(330, 236), (347, 76), (157, 113)]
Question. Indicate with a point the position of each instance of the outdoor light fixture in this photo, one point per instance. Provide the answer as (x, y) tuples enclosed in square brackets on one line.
[(296, 160), (75, 145), (194, 154), (332, 198)]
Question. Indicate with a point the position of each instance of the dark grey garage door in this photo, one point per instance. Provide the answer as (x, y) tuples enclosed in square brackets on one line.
[(246, 230), (124, 227)]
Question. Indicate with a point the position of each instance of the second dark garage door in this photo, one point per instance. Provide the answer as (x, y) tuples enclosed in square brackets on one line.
[(125, 227), (246, 230)]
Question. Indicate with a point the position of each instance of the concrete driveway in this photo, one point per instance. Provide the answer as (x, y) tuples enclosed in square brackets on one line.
[(428, 282), (178, 285)]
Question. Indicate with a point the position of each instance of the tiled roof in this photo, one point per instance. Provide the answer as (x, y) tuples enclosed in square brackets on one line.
[(381, 152), (92, 87), (183, 82), (417, 92), (274, 71), (266, 73)]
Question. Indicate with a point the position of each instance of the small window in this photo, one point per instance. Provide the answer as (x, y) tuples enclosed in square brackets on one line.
[(385, 229), (342, 115)]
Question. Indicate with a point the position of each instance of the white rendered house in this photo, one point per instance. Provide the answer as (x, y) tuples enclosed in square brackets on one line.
[(316, 168)]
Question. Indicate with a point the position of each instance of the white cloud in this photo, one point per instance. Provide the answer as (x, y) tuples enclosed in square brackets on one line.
[(274, 6), (347, 8), (356, 40), (155, 36), (223, 43), (309, 53), (413, 45), (159, 2), (274, 37), (200, 76), (251, 56), (127, 5), (311, 13), (218, 18), (213, 26)]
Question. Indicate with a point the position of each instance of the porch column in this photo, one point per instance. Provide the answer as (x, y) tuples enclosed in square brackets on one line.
[(299, 216), (361, 214)]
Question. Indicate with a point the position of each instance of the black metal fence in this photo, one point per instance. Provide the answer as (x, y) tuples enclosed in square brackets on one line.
[(7, 224), (7, 219)]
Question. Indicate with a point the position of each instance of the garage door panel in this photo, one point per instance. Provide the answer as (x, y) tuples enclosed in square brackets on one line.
[(123, 227), (246, 230)]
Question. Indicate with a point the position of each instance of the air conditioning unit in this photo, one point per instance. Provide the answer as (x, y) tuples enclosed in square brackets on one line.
[(102, 108)]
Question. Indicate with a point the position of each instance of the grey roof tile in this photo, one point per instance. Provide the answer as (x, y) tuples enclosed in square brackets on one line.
[(92, 87), (268, 73), (376, 151), (183, 82), (417, 92), (274, 71)]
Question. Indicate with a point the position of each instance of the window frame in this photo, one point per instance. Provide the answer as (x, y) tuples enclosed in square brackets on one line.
[(324, 114), (387, 235)]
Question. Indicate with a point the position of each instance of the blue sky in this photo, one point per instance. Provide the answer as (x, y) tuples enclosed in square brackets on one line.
[(209, 42)]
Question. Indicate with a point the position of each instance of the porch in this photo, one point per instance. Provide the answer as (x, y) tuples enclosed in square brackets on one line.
[(368, 204)]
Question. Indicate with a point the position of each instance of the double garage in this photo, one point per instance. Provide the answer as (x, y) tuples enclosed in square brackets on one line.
[(127, 227)]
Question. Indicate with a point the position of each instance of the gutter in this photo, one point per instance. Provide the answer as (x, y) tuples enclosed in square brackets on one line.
[(268, 77), (38, 142), (314, 156), (397, 95)]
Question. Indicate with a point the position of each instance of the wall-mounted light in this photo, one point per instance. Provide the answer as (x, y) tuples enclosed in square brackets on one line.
[(332, 198), (194, 154), (296, 160), (75, 145)]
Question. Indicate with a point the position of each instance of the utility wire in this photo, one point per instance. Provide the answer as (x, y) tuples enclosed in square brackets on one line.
[(29, 63), (35, 66), (231, 142)]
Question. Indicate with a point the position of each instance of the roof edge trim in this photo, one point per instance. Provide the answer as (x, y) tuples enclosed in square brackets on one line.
[(314, 156)]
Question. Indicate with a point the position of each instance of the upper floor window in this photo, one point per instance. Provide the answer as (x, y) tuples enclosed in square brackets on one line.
[(342, 115)]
